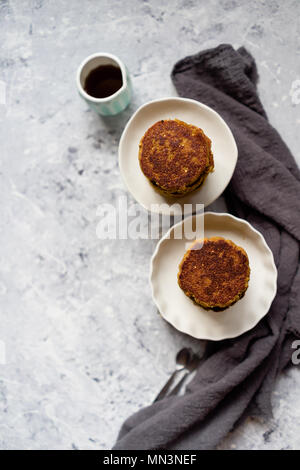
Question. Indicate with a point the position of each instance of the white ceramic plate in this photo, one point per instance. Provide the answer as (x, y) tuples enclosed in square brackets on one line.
[(182, 312), (223, 146)]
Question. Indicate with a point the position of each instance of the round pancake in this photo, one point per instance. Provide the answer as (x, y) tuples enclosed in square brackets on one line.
[(175, 156), (215, 275)]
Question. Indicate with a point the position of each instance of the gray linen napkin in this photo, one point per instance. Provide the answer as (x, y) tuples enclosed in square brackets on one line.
[(237, 378)]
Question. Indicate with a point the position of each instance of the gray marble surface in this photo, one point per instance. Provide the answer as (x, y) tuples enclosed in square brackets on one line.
[(84, 344)]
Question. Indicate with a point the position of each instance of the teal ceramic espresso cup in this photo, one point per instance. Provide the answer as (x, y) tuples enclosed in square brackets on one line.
[(119, 99)]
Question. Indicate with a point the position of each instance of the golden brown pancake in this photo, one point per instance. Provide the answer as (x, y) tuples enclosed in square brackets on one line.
[(175, 156), (215, 275)]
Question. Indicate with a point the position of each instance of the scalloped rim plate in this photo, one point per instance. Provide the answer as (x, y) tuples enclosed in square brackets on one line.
[(193, 112), (177, 309)]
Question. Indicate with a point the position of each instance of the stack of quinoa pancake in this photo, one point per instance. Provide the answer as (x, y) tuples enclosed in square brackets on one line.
[(214, 272), (176, 157)]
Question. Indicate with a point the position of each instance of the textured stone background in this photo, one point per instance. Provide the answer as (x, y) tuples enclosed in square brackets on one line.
[(84, 344)]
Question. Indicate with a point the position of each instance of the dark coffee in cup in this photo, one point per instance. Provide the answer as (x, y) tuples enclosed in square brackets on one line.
[(103, 81)]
